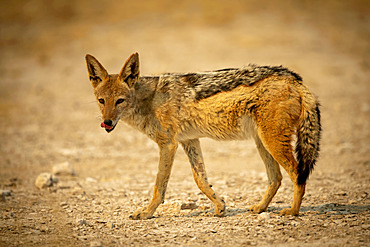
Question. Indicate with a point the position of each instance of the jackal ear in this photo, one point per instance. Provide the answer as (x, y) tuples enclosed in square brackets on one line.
[(97, 73), (130, 71)]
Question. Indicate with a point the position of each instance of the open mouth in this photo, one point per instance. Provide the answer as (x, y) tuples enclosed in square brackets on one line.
[(107, 127)]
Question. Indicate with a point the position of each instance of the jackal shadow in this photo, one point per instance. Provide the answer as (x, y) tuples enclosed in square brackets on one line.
[(328, 209)]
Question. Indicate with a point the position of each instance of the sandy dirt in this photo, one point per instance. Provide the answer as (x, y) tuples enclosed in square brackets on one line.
[(49, 116)]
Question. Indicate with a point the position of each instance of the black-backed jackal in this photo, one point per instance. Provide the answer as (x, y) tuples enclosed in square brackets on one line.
[(269, 104)]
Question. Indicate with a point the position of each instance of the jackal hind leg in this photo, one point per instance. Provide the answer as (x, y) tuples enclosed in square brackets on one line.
[(167, 153), (290, 165), (274, 178), (281, 150), (194, 153)]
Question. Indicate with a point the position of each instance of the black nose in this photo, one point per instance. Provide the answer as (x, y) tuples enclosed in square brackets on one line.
[(108, 122)]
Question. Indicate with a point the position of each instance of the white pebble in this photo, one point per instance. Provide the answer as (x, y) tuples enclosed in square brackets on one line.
[(5, 192), (264, 216)]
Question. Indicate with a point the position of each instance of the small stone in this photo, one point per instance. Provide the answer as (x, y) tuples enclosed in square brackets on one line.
[(365, 227), (64, 168), (101, 221), (91, 180), (44, 180), (249, 242), (110, 225), (83, 238), (264, 216), (81, 222), (189, 205), (6, 192), (44, 228), (96, 244)]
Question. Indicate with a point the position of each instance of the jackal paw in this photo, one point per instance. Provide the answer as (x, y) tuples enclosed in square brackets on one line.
[(220, 212), (289, 211), (257, 209), (141, 214)]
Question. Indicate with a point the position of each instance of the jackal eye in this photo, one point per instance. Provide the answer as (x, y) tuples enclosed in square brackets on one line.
[(119, 101), (101, 101)]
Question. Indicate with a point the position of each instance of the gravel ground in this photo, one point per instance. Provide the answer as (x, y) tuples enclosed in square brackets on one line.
[(49, 117)]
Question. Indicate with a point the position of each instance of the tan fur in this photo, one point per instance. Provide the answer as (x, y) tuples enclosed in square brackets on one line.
[(269, 104)]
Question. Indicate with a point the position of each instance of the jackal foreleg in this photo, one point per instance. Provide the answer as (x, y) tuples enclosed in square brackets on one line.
[(194, 152), (167, 153)]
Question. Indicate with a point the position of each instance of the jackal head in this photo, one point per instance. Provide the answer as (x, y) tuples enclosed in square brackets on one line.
[(115, 93)]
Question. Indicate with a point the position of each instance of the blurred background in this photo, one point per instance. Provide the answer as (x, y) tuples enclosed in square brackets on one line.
[(48, 110)]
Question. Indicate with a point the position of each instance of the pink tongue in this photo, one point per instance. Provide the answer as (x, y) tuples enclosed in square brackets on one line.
[(103, 125)]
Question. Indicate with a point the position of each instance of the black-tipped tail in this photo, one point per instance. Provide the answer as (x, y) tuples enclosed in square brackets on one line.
[(308, 142)]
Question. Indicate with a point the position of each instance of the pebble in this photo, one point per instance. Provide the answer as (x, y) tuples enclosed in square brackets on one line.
[(81, 222), (291, 240), (110, 225), (189, 205), (44, 180), (91, 180), (96, 244), (6, 192), (64, 168), (264, 216), (365, 227), (44, 228), (101, 221)]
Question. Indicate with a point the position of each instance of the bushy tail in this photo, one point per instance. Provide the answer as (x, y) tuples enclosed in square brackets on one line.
[(308, 136)]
